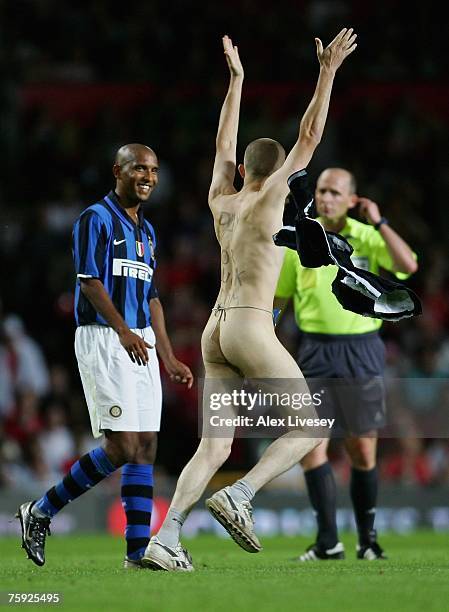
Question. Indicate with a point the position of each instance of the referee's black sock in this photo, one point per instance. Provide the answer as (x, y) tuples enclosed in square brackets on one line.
[(364, 497), (323, 497)]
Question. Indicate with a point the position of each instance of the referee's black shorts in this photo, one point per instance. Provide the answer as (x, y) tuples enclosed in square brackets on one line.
[(347, 371)]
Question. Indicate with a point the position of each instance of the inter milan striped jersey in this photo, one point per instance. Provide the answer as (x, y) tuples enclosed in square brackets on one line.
[(109, 246)]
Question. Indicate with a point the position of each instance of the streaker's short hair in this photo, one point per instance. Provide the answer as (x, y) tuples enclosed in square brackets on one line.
[(263, 157)]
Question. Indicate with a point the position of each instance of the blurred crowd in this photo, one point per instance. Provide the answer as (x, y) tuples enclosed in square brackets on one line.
[(106, 77)]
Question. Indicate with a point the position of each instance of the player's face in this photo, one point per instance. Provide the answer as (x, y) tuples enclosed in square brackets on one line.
[(138, 177), (333, 195)]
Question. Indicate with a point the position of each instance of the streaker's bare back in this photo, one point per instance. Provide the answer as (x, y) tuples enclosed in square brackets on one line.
[(250, 262), (240, 331)]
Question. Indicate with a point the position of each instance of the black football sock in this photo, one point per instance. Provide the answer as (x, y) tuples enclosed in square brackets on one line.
[(84, 474), (323, 497), (137, 500), (364, 485)]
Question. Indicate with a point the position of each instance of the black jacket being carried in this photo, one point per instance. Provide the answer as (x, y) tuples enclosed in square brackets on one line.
[(357, 290)]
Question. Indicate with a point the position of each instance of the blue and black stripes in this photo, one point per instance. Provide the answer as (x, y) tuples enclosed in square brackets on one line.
[(137, 501), (109, 246), (83, 475)]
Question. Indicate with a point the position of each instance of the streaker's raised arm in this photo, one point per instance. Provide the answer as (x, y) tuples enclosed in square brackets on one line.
[(226, 141), (314, 119)]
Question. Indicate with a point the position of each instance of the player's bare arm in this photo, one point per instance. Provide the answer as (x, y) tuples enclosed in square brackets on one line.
[(134, 345), (401, 253), (226, 141), (314, 119), (178, 371)]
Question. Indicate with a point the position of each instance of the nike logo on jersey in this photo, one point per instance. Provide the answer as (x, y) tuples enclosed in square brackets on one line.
[(117, 242)]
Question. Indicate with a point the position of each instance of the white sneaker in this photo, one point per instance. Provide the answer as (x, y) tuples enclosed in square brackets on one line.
[(158, 556), (236, 518)]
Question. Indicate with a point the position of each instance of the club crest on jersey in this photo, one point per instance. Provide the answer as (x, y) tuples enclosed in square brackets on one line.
[(139, 248)]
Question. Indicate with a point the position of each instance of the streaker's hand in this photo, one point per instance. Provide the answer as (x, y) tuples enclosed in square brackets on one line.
[(369, 210), (232, 57), (337, 51), (179, 372), (135, 346)]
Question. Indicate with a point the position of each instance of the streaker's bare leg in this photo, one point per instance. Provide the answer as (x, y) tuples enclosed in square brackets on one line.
[(249, 342), (208, 458), (164, 551), (280, 456), (194, 478), (231, 505)]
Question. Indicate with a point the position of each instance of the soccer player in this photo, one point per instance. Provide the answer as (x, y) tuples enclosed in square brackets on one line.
[(239, 339), (119, 320), (336, 343)]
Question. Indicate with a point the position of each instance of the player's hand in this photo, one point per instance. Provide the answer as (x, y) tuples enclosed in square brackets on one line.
[(369, 210), (232, 57), (179, 372), (337, 51), (135, 346)]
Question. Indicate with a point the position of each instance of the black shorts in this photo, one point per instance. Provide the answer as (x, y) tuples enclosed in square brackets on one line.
[(348, 373)]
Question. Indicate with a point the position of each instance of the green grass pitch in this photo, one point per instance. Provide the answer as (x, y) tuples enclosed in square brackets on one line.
[(87, 571)]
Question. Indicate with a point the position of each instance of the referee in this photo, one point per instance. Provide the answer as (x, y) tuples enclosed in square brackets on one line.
[(119, 322), (336, 343)]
